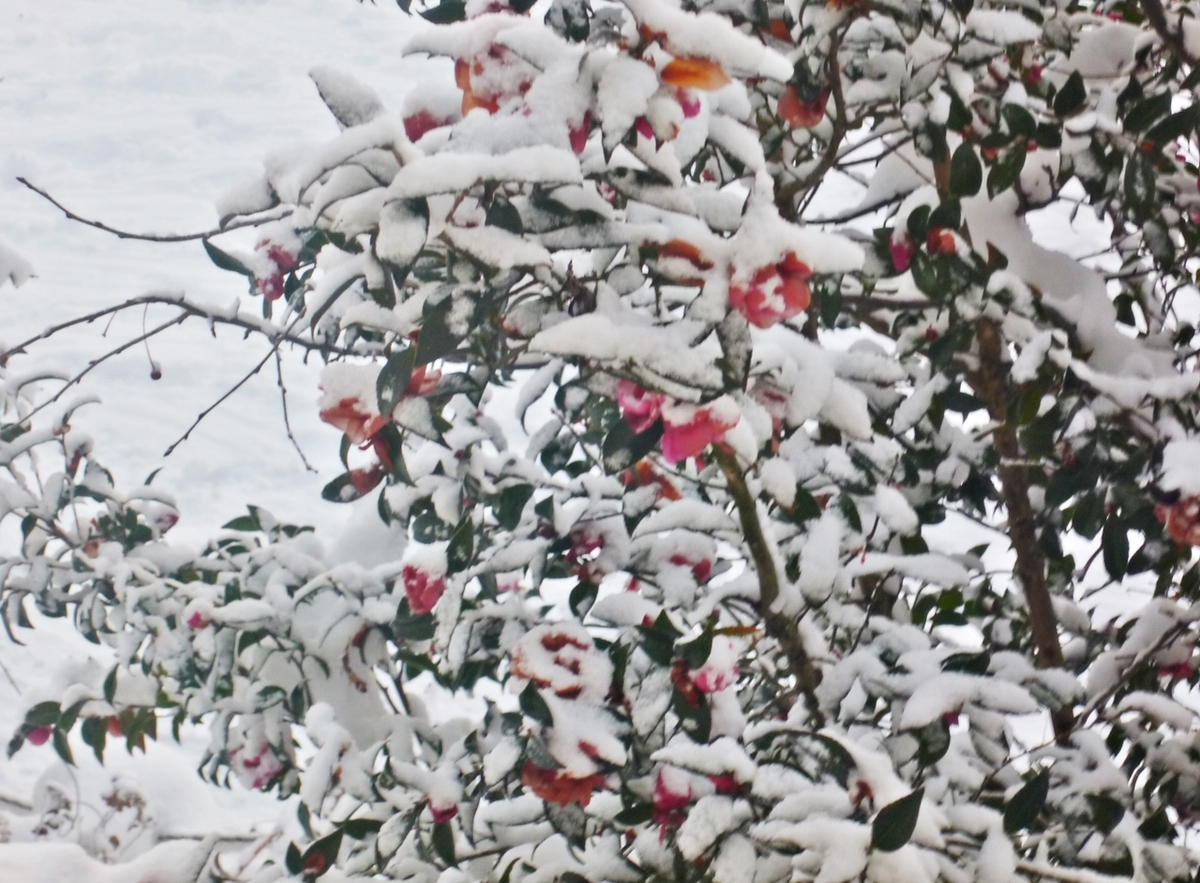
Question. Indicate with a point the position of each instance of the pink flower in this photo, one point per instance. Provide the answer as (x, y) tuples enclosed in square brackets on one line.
[(39, 736), (688, 102), (720, 670), (197, 620), (640, 407), (284, 259), (644, 128), (773, 293), (689, 429), (902, 250), (422, 588), (671, 790), (701, 569)]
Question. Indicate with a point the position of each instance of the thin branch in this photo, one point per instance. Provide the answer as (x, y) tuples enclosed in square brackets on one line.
[(154, 237), (95, 363), (272, 333), (1166, 638), (287, 424), (787, 195), (229, 392), (1157, 17)]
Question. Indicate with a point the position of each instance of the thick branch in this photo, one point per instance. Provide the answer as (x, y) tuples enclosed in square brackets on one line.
[(990, 383), (786, 196), (1157, 16), (778, 625)]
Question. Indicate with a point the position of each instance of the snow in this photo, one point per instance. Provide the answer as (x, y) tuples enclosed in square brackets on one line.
[(1181, 466), (13, 267)]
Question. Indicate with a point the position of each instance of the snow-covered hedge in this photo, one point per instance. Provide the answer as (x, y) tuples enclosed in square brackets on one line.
[(687, 455)]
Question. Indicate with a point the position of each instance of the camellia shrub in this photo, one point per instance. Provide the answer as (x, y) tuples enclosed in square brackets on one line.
[(690, 350)]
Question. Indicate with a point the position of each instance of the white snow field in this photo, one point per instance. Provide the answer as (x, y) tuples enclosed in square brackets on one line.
[(140, 113)]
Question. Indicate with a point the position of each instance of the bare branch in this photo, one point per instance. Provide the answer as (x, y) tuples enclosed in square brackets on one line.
[(229, 392), (156, 237)]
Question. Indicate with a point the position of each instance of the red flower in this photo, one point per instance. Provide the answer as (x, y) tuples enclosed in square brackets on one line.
[(688, 103), (270, 287), (689, 429), (578, 135), (417, 124), (774, 293), (643, 473), (422, 588), (695, 73), (492, 78), (1182, 520), (39, 735), (802, 114), (701, 569), (443, 814), (197, 620), (557, 786), (940, 240)]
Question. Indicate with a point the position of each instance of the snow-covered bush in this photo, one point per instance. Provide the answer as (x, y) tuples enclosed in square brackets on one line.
[(689, 350)]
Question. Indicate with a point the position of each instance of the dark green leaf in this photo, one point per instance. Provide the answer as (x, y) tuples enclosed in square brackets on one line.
[(343, 489), (583, 596), (918, 222), (1071, 96), (636, 814), (293, 860), (503, 214), (623, 448), (462, 546), (226, 261), (969, 663), (1006, 170), (1145, 112), (1025, 806), (393, 379), (435, 340), (321, 855), (63, 748), (1115, 540), (443, 843), (1020, 121), (893, 826), (966, 172), (512, 504), (94, 731), (1106, 812), (446, 12), (415, 628), (44, 714), (360, 829), (110, 686), (947, 214), (534, 706)]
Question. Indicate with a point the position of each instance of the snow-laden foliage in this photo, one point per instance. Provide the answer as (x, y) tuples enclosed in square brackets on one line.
[(678, 453)]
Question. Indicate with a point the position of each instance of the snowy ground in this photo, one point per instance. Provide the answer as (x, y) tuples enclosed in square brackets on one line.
[(139, 113)]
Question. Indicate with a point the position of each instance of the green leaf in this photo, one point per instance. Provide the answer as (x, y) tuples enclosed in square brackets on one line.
[(293, 860), (534, 706), (925, 274), (966, 172), (393, 379), (446, 12), (94, 731), (1177, 125), (443, 843), (511, 504), (226, 261), (968, 663), (343, 490), (1071, 96), (1019, 120), (1006, 170), (1145, 112), (1115, 541), (947, 214), (360, 829), (462, 546), (622, 448), (918, 223), (806, 506), (696, 652), (959, 117), (415, 628), (44, 714), (583, 596), (435, 339), (635, 814), (1106, 812), (894, 825), (504, 214), (321, 856), (1025, 806), (62, 747)]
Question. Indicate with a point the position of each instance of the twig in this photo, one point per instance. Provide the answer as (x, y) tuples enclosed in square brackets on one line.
[(1166, 638), (153, 237), (1157, 17), (95, 363), (287, 424), (229, 392)]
